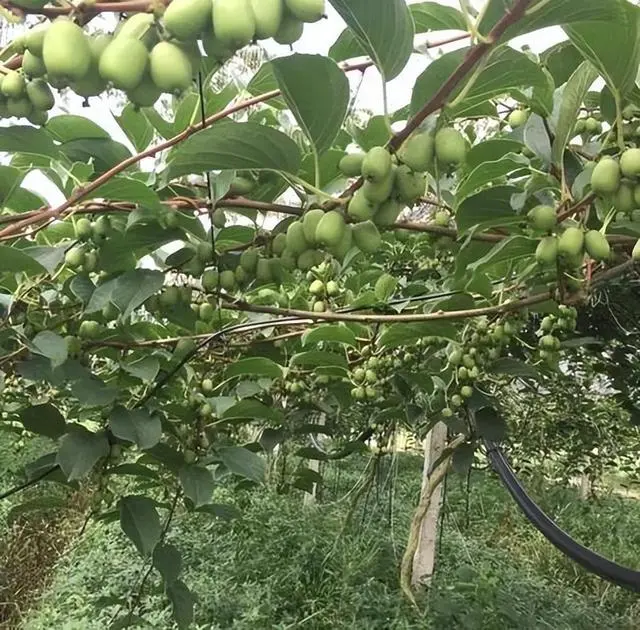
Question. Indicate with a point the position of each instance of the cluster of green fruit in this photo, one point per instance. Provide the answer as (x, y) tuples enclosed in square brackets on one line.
[(482, 343), (148, 54), (588, 126), (372, 375), (84, 257), (618, 180), (569, 248), (392, 182), (551, 327)]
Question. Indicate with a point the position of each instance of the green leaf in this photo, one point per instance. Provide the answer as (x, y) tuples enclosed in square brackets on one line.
[(22, 139), (316, 358), (562, 60), (80, 450), (490, 151), (197, 483), (136, 127), (490, 424), (505, 70), (182, 603), (145, 368), (249, 409), (536, 137), (67, 127), (127, 292), (221, 510), (317, 93), (103, 153), (49, 257), (573, 94), (513, 367), (167, 559), (346, 47), (335, 333), (14, 260), (44, 504), (618, 63), (511, 249), (384, 29), (398, 335), (487, 172), (44, 420), (231, 145), (488, 208), (127, 189), (242, 462), (254, 366), (431, 16), (375, 134), (10, 180), (140, 521), (50, 345), (265, 81), (137, 426)]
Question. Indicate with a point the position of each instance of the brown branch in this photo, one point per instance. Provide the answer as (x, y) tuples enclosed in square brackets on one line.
[(577, 208), (128, 6)]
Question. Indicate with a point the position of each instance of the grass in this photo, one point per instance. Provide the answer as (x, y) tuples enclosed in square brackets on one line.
[(285, 566)]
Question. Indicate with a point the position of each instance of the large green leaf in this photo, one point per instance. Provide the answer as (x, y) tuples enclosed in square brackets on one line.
[(167, 559), (573, 94), (127, 189), (137, 426), (615, 54), (487, 172), (242, 462), (50, 345), (80, 450), (506, 70), (249, 409), (13, 260), (182, 603), (335, 333), (397, 335), (432, 16), (197, 484), (67, 127), (10, 180), (18, 139), (317, 93), (104, 153), (254, 366), (264, 81), (511, 249), (44, 420), (136, 127), (488, 208), (562, 60), (346, 47), (231, 145), (384, 29), (140, 521)]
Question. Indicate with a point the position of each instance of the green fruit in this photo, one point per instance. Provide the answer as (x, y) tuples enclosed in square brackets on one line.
[(306, 260), (316, 287), (379, 191), (417, 152), (34, 38), (40, 95), (206, 312), (268, 16), (183, 348), (597, 245), (242, 277), (624, 199), (38, 117), (233, 22), (65, 50), (376, 165), (360, 208), (102, 226), (410, 185), (367, 237), (288, 260), (141, 26), (605, 177), (332, 288), (170, 68), (385, 287), (543, 218), (441, 218), (296, 241), (146, 93), (83, 229), (306, 10), (19, 107), (89, 329), (92, 83), (580, 127), (592, 126), (13, 84), (263, 271), (547, 251), (32, 65), (210, 280), (170, 296), (571, 242), (249, 260), (241, 186), (206, 386), (636, 199), (388, 212), (124, 62), (319, 307), (330, 229), (629, 162), (75, 257), (219, 218), (517, 118), (279, 244), (351, 164), (290, 30), (466, 391), (450, 147), (186, 19), (310, 222), (215, 49), (204, 251), (74, 345), (342, 248), (228, 280), (635, 254)]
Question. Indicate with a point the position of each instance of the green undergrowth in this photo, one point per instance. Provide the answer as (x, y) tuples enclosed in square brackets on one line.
[(284, 565)]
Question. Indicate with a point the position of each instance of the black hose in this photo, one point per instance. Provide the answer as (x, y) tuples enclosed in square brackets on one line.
[(591, 561)]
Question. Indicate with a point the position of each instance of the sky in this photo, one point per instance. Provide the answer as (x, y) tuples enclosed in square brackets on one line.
[(317, 39)]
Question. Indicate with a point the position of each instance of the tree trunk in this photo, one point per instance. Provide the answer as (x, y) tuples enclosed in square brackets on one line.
[(315, 465), (425, 556)]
